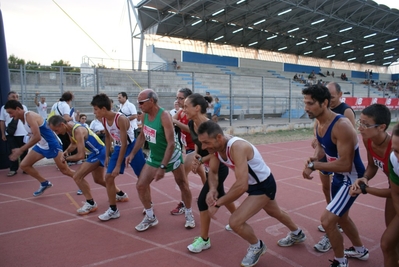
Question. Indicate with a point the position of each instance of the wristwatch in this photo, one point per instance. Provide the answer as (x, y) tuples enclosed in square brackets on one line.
[(311, 166), (363, 188), (162, 167)]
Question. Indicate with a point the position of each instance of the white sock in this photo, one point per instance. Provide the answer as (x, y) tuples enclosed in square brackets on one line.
[(297, 231), (341, 260), (150, 212), (188, 211), (256, 245)]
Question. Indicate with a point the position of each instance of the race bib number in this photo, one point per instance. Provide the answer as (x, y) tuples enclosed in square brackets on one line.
[(150, 134)]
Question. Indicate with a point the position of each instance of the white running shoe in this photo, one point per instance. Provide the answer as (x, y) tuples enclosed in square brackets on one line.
[(146, 223), (124, 198), (87, 208), (109, 214)]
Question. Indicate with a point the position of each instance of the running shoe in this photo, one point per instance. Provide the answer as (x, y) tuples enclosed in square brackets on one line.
[(87, 208), (335, 263), (124, 198), (324, 244), (199, 245), (352, 253), (109, 214), (146, 223), (42, 188), (179, 210), (292, 239), (253, 255)]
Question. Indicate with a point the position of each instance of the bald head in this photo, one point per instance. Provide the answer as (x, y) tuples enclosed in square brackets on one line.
[(336, 93)]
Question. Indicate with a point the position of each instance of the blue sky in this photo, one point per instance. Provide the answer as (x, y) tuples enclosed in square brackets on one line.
[(38, 30)]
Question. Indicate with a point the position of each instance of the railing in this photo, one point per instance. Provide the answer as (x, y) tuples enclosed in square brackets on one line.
[(241, 96)]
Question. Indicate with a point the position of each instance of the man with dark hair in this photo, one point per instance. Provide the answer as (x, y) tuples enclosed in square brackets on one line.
[(44, 142), (85, 140), (13, 132), (337, 141), (165, 156), (128, 109), (119, 130), (252, 176), (342, 108)]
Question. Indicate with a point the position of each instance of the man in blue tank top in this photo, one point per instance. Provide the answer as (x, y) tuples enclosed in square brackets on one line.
[(338, 142), (342, 108), (44, 142)]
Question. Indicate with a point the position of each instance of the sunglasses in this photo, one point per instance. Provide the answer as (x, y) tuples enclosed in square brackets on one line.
[(142, 101)]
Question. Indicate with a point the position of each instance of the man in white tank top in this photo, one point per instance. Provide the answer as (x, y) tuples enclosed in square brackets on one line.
[(252, 176)]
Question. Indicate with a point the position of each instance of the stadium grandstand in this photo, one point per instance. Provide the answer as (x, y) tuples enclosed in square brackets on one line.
[(256, 56)]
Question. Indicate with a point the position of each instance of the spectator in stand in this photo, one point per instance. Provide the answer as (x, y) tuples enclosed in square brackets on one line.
[(41, 106), (83, 119), (216, 110), (295, 77), (98, 128), (332, 74), (175, 66), (172, 112), (128, 109), (328, 73), (14, 133)]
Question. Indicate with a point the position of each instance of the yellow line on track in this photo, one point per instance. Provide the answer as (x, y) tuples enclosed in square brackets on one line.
[(72, 200)]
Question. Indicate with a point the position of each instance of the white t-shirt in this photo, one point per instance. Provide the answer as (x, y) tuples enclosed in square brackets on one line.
[(96, 126), (61, 106), (128, 109), (42, 109), (4, 116)]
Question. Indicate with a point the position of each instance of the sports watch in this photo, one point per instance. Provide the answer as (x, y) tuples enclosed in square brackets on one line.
[(162, 167), (311, 166)]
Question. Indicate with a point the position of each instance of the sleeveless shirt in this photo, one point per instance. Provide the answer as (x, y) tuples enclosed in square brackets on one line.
[(155, 136), (115, 132), (93, 143), (331, 152), (258, 171)]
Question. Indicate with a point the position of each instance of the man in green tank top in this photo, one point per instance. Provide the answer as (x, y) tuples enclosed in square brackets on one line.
[(165, 156)]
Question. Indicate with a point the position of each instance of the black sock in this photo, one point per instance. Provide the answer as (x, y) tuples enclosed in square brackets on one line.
[(90, 201), (120, 193), (113, 207)]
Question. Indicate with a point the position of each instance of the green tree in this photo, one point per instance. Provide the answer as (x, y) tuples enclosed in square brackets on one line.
[(14, 62)]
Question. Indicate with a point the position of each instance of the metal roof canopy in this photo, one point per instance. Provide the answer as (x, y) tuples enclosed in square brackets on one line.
[(358, 31)]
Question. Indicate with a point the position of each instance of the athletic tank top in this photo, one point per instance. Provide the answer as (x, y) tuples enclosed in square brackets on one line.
[(340, 109), (93, 143), (258, 171), (115, 132), (49, 138), (155, 136), (393, 169), (185, 136), (331, 152), (380, 162)]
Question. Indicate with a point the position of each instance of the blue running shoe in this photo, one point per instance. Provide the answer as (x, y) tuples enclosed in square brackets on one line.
[(42, 188)]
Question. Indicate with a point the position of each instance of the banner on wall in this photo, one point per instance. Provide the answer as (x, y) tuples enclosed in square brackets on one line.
[(360, 103)]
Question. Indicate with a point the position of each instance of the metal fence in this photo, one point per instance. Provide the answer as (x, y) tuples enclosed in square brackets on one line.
[(241, 96)]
